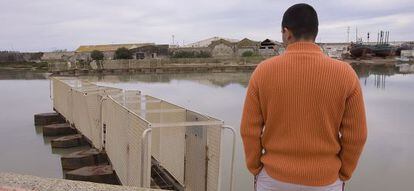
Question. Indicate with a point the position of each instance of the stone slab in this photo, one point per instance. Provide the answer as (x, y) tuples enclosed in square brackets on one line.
[(97, 174), (83, 158), (58, 129), (68, 141), (48, 118)]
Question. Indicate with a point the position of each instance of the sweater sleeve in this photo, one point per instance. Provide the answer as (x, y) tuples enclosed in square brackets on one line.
[(251, 127), (353, 132)]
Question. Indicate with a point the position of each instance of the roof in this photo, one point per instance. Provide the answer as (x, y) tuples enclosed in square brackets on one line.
[(247, 43), (109, 47), (221, 41), (207, 42), (268, 42)]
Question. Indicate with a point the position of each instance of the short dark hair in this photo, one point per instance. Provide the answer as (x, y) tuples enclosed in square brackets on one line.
[(302, 20)]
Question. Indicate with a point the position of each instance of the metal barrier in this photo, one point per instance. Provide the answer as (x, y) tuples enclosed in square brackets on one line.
[(122, 143), (133, 128), (79, 102)]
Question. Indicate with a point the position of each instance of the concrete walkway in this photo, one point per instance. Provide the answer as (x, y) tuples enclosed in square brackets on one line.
[(17, 182)]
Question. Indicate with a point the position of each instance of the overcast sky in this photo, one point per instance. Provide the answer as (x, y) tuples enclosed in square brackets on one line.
[(47, 25)]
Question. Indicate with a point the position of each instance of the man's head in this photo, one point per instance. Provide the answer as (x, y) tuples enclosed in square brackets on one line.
[(299, 23)]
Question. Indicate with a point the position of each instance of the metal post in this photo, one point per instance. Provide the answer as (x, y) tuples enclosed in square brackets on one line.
[(347, 30), (103, 136), (143, 148), (232, 154), (378, 38), (50, 89), (356, 34), (70, 105)]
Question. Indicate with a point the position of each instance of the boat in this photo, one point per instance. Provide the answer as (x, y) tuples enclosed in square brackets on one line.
[(359, 50), (383, 50)]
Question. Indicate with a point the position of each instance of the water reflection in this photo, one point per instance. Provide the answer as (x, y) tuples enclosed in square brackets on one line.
[(210, 79), (406, 68), (23, 148), (22, 75), (378, 74)]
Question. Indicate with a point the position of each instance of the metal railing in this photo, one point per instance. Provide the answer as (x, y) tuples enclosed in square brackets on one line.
[(133, 129)]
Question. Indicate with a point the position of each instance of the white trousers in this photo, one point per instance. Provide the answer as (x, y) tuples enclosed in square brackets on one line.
[(266, 183)]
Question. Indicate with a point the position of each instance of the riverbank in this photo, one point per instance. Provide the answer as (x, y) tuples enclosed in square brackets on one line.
[(24, 70), (375, 61), (160, 66), (37, 66), (12, 181), (150, 66), (191, 65)]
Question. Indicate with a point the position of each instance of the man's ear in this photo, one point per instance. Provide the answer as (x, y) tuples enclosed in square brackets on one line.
[(288, 34)]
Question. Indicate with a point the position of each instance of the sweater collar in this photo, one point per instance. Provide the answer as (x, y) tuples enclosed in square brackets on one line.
[(302, 47)]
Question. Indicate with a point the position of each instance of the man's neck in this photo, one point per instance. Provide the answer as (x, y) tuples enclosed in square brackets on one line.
[(300, 40)]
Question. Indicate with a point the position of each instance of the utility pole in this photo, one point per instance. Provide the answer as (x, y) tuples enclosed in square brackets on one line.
[(347, 30), (378, 34), (173, 40), (356, 34), (388, 37)]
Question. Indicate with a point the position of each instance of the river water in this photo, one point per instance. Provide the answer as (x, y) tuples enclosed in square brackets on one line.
[(386, 163)]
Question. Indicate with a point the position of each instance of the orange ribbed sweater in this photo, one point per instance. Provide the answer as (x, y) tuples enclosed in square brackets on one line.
[(304, 118)]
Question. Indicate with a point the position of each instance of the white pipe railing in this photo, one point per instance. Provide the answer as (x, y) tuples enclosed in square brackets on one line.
[(146, 149)]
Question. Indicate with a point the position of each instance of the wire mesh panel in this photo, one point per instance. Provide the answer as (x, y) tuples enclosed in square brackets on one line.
[(213, 154), (203, 141), (153, 104), (191, 153), (123, 146), (164, 139), (61, 95), (195, 157), (86, 114), (80, 113), (131, 99)]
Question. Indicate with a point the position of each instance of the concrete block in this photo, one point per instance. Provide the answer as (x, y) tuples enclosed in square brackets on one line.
[(68, 141), (83, 158), (58, 129), (48, 118), (98, 174)]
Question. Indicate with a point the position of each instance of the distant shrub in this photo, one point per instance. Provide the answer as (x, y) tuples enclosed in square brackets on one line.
[(122, 53), (191, 54), (97, 55), (203, 54), (248, 54), (183, 54)]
